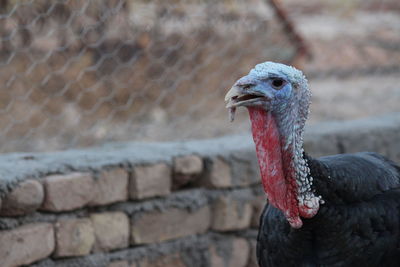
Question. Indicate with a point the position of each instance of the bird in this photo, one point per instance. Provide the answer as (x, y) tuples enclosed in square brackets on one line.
[(337, 210)]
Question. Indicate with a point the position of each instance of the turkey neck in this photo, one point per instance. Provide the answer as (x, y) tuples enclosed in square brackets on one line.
[(279, 183), (284, 171)]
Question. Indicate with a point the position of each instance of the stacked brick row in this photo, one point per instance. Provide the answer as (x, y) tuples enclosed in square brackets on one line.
[(57, 218), (185, 211)]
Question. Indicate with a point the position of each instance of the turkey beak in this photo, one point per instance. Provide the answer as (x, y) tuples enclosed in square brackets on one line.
[(232, 93), (246, 93), (238, 96)]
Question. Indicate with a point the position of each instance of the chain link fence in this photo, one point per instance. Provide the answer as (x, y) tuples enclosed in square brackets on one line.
[(82, 73)]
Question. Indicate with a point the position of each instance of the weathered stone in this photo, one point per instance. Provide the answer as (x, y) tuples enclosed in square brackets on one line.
[(219, 175), (216, 259), (111, 230), (26, 244), (258, 207), (74, 237), (235, 254), (230, 214), (67, 192), (119, 264), (316, 144), (186, 170), (157, 226), (25, 198), (189, 165), (240, 253), (244, 168), (173, 260), (253, 262), (150, 181), (110, 187)]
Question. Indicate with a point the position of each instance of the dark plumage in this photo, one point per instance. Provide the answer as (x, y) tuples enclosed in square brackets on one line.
[(359, 224), (341, 210)]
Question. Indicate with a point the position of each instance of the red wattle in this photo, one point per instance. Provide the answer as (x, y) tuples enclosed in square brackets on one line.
[(307, 212), (277, 173)]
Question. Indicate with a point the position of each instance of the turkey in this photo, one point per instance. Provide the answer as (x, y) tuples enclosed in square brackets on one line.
[(341, 210)]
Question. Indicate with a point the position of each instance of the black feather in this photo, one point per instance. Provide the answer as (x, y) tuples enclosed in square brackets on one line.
[(359, 224)]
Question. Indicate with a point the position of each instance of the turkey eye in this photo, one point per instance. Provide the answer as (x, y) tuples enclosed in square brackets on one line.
[(277, 83)]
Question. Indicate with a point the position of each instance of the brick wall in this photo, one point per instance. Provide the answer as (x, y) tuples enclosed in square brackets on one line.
[(140, 205)]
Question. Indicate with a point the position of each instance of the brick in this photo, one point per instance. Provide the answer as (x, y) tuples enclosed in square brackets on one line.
[(111, 230), (216, 260), (219, 175), (244, 168), (157, 226), (150, 181), (240, 253), (74, 237), (258, 207), (119, 264), (253, 262), (317, 145), (67, 192), (110, 187), (186, 170), (189, 165), (174, 260), (24, 199), (26, 244), (230, 214), (237, 254)]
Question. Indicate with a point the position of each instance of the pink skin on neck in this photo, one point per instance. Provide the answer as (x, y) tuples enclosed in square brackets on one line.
[(277, 174)]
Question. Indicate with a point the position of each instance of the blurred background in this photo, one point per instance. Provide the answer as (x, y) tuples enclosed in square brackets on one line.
[(83, 73)]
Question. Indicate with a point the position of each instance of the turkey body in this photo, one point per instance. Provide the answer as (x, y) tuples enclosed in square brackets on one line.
[(358, 225)]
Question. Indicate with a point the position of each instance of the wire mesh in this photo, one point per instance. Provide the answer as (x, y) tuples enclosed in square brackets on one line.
[(81, 73)]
